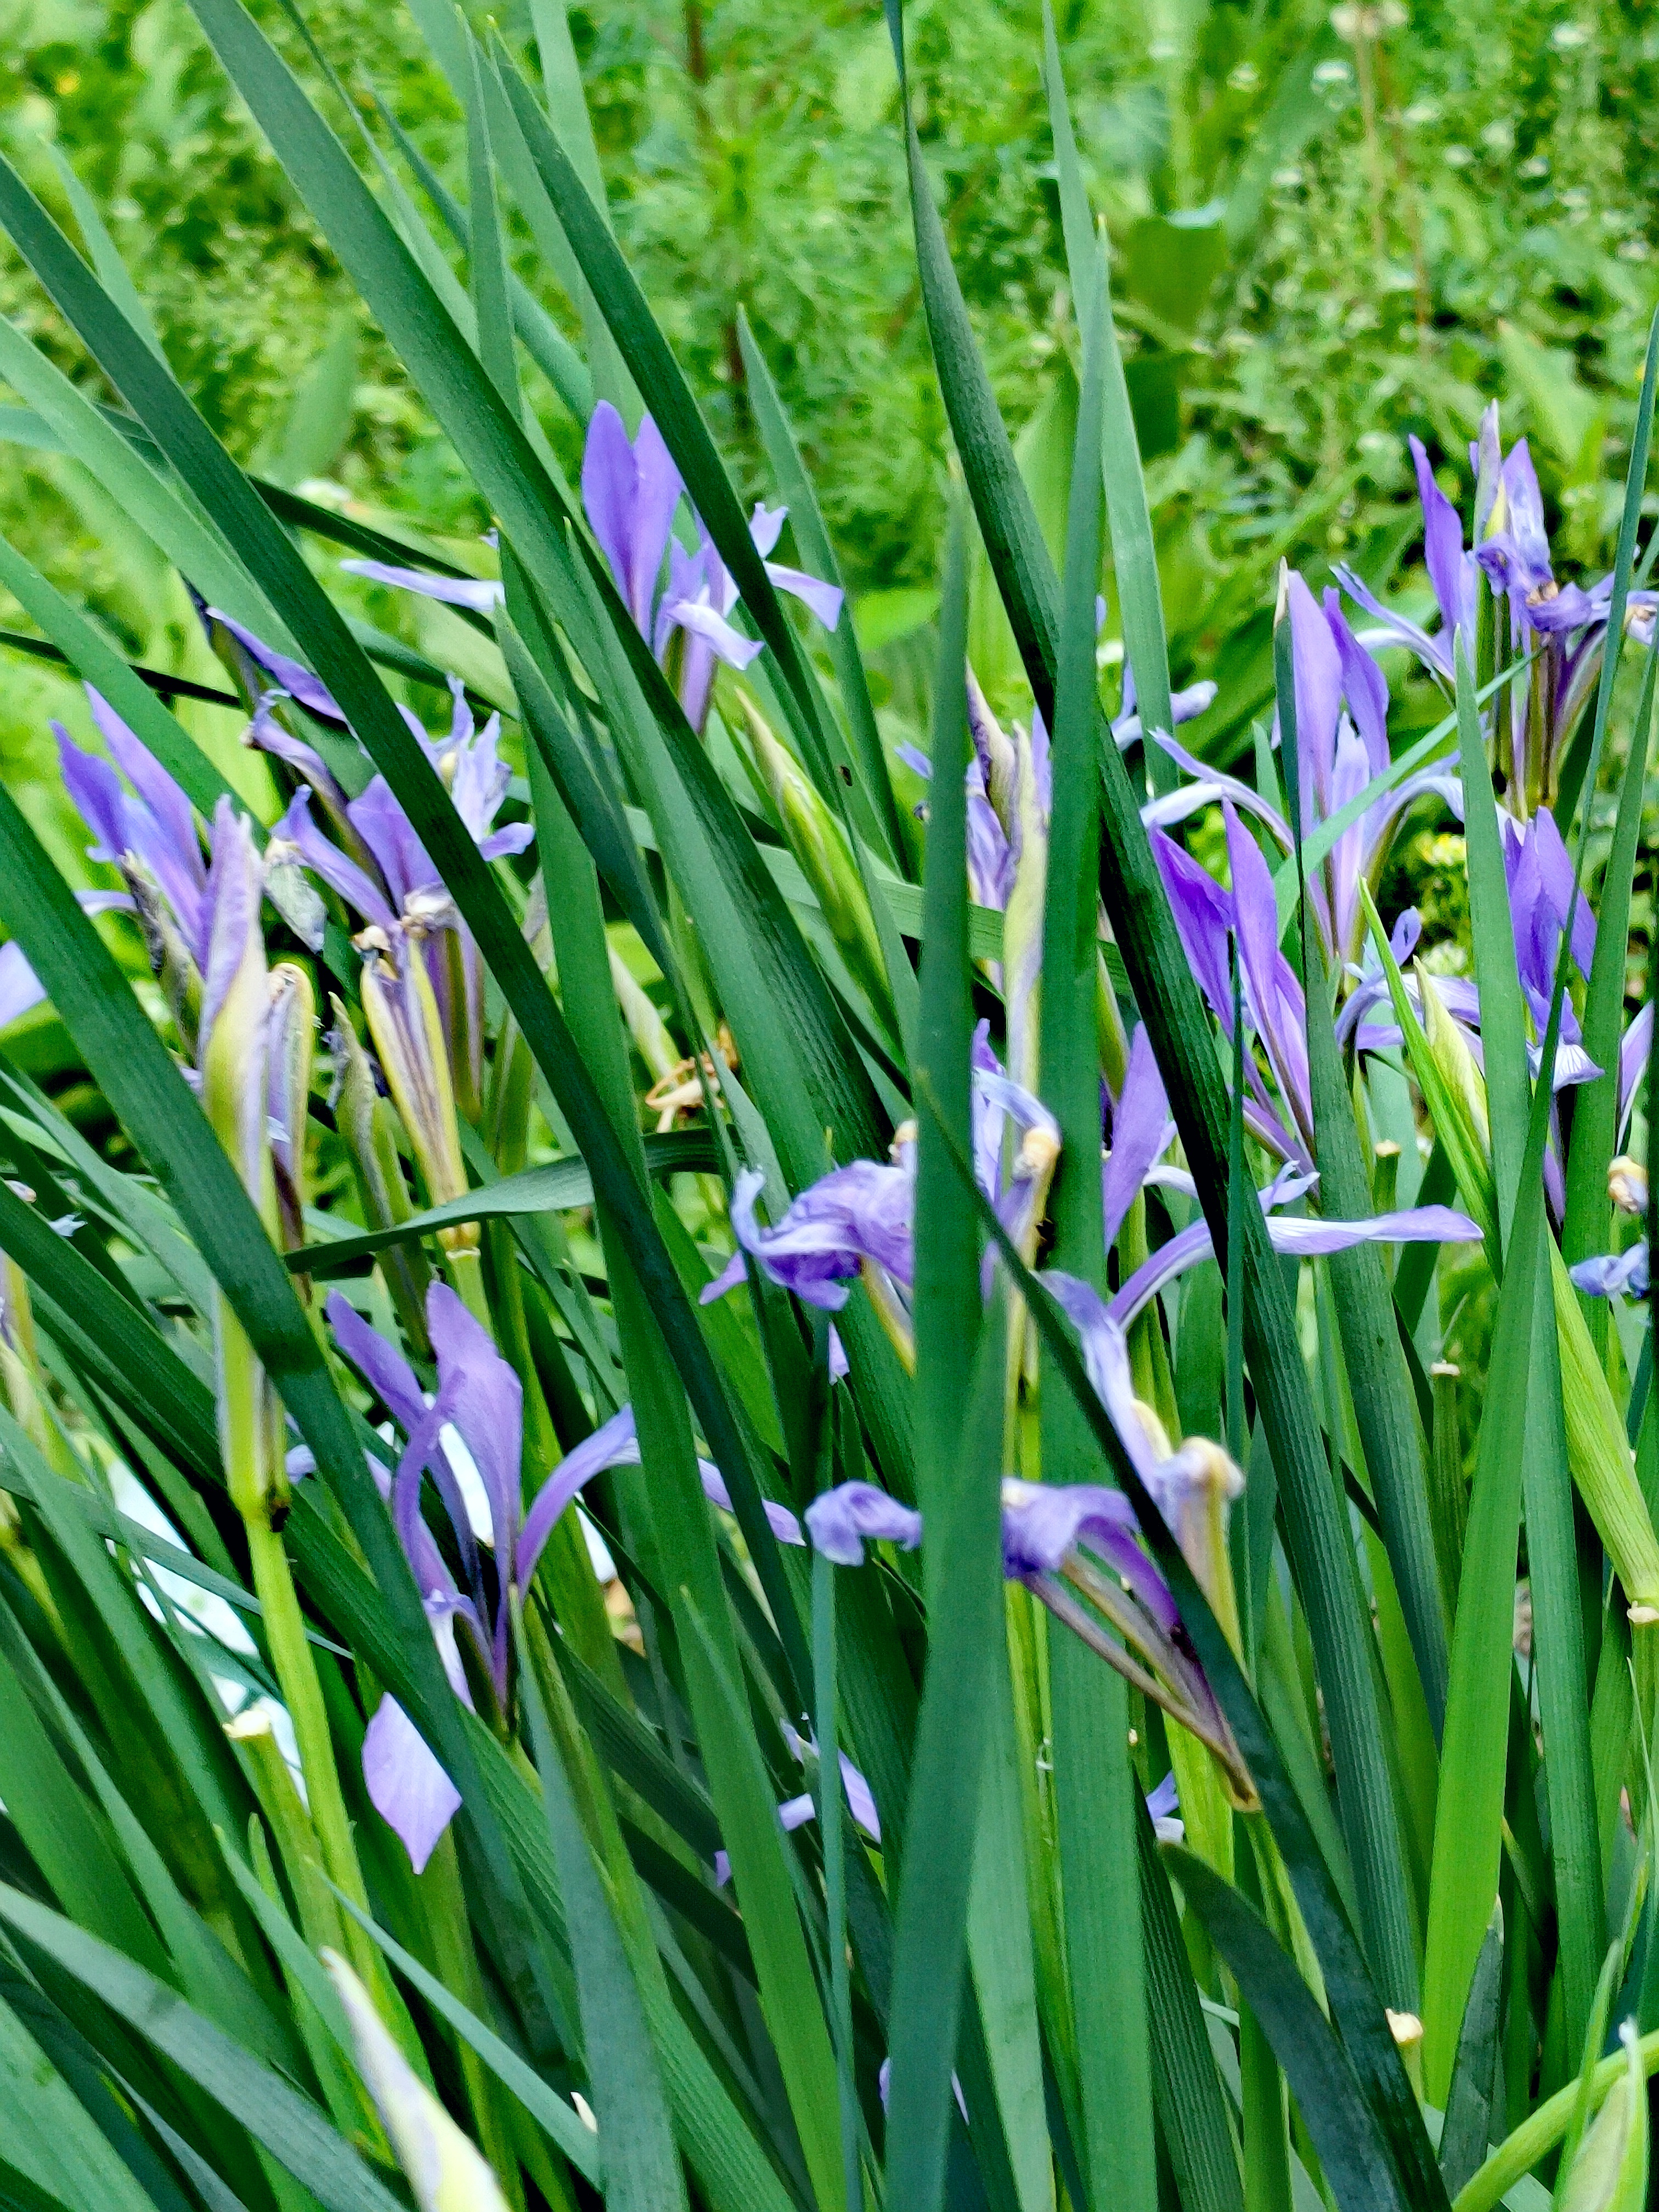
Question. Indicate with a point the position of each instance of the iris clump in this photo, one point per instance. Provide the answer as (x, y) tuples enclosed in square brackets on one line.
[(831, 1509)]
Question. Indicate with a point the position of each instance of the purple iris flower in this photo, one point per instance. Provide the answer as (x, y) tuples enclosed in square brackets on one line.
[(1205, 915), (993, 780), (859, 1220), (1563, 624), (480, 1397), (1342, 745), (631, 491)]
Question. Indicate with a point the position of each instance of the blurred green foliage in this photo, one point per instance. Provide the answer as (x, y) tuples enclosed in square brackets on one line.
[(1331, 228)]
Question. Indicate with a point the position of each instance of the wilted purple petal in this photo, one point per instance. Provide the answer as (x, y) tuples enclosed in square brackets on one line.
[(1614, 1274), (482, 594), (839, 1521)]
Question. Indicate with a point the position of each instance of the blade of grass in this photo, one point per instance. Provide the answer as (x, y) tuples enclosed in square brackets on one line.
[(1471, 2118), (1503, 1019), (195, 547), (1093, 1807), (1351, 2151), (812, 537), (1135, 555), (559, 1188), (290, 2126), (966, 1640), (642, 2170), (1467, 1841)]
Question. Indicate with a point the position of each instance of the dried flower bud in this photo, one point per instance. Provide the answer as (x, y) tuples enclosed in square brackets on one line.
[(1627, 1184)]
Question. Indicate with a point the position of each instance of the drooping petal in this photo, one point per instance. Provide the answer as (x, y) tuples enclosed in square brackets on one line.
[(824, 599), (482, 593), (1442, 542), (1141, 1128), (779, 1519), (484, 1399), (725, 643), (388, 831), (290, 676), (1203, 920), (1614, 1274), (381, 1365), (841, 1519), (613, 1444), (1302, 1239), (406, 1785), (1434, 653), (297, 833)]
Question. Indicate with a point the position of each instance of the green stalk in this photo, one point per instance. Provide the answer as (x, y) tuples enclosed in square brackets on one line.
[(296, 1675), (1536, 2137)]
